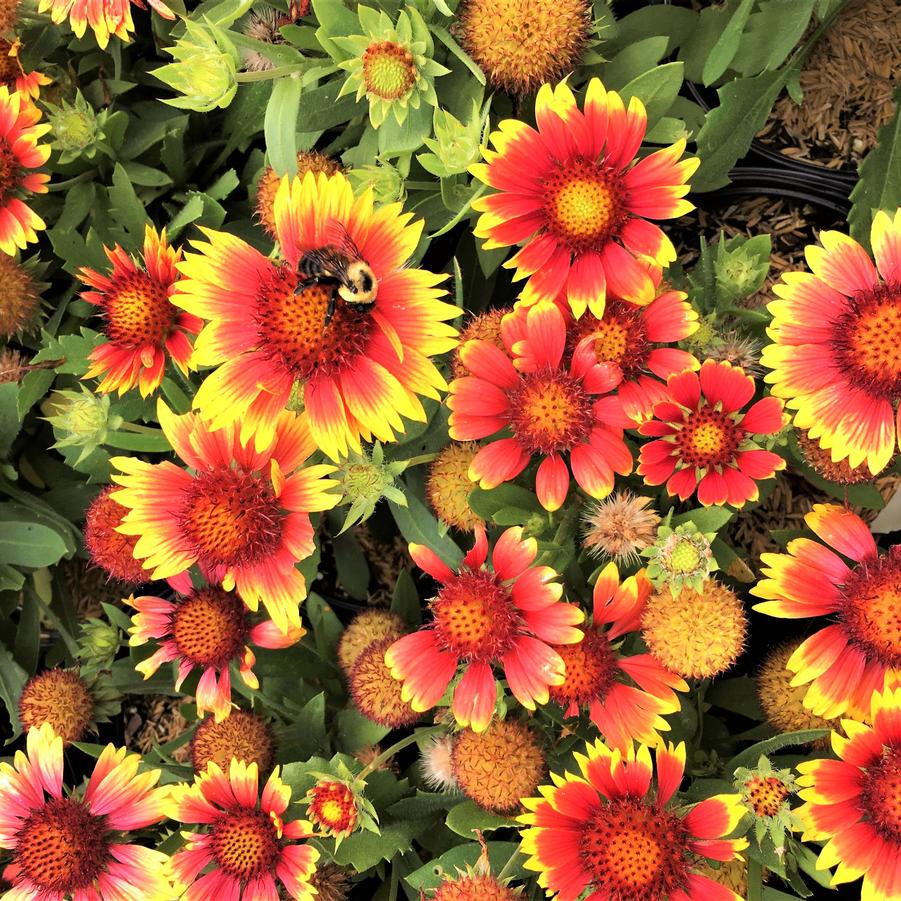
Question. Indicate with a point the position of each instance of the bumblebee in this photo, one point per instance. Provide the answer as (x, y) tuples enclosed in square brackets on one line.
[(340, 266)]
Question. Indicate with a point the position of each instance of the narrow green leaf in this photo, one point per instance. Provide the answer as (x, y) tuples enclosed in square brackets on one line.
[(724, 50), (633, 60), (29, 543), (12, 681), (280, 125), (750, 756), (419, 526), (467, 817), (656, 88)]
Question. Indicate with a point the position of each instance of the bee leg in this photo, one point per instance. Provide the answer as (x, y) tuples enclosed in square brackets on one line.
[(329, 310)]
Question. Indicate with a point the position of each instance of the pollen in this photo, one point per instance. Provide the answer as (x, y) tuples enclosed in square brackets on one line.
[(590, 670), (364, 629), (484, 327), (523, 44), (389, 71), (708, 438), (766, 795), (242, 735), (210, 627), (59, 697), (244, 843), (112, 551), (231, 517), (18, 298), (474, 888), (448, 486), (880, 796), (293, 332), (474, 616), (820, 461), (137, 311), (550, 412), (376, 694), (333, 807), (695, 634), (871, 609), (500, 766), (620, 527), (61, 848)]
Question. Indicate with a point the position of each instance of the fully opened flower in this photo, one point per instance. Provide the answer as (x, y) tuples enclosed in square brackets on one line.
[(76, 844), (241, 514), (550, 409), (704, 442), (246, 848), (609, 833), (630, 336), (19, 154), (209, 629), (836, 355), (364, 369), (855, 802), (507, 614), (626, 695), (140, 322), (860, 651), (112, 17), (571, 193)]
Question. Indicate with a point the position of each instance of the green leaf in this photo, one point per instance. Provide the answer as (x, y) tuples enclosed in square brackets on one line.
[(422, 804), (879, 187), (769, 746), (364, 850), (25, 543), (772, 33), (406, 602), (724, 50), (12, 681), (355, 731), (657, 89), (675, 22), (350, 562), (431, 875), (465, 817), (280, 125), (419, 526), (633, 60), (486, 503), (125, 207), (408, 136), (9, 416), (707, 519), (447, 39)]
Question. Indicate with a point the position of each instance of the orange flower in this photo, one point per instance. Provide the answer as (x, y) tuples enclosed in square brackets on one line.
[(19, 153), (242, 514), (112, 17), (361, 371), (140, 322)]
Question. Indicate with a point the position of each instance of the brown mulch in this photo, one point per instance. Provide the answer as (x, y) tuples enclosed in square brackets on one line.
[(153, 720)]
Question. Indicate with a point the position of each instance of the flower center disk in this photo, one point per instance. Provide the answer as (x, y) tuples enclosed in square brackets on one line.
[(620, 337), (138, 311), (389, 71), (10, 170), (590, 670), (245, 844), (871, 609), (880, 797), (709, 438), (550, 412), (210, 627), (766, 795)]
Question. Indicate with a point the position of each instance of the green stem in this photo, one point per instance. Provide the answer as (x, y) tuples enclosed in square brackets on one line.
[(464, 210), (755, 880), (418, 461), (508, 866), (139, 429), (270, 74), (387, 754), (71, 182), (395, 881)]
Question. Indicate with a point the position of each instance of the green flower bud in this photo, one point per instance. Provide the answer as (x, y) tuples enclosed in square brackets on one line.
[(77, 130), (455, 145), (740, 267), (365, 481), (98, 642), (680, 557), (386, 182), (80, 420)]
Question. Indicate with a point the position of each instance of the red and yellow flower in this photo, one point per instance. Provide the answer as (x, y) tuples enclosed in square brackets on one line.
[(854, 803), (571, 193), (112, 17), (704, 441), (630, 336), (626, 696), (836, 352), (140, 323), (608, 833), (20, 153), (551, 409), (75, 844), (209, 629), (860, 652), (508, 614), (247, 848), (360, 372), (241, 514)]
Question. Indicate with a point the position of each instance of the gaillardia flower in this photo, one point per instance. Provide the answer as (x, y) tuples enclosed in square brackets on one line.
[(620, 527), (860, 652), (507, 614), (836, 355), (361, 371), (704, 441), (113, 17), (139, 321), (247, 848), (552, 410), (608, 833), (112, 551), (209, 629), (19, 299), (61, 698), (332, 805), (853, 802), (20, 153), (241, 734), (625, 695), (241, 514), (76, 844), (569, 193)]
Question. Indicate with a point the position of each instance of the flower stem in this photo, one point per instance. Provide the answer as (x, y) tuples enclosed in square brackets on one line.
[(418, 461), (269, 74), (508, 866), (399, 746)]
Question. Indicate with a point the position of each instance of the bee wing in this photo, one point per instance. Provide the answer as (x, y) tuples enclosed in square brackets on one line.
[(337, 236)]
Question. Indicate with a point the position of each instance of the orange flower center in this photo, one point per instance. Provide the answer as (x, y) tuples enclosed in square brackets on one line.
[(867, 341), (709, 438), (293, 333), (59, 697), (241, 734), (880, 796), (871, 609), (620, 337), (245, 843), (634, 852), (61, 847), (109, 549), (210, 627), (583, 204), (332, 806), (138, 311), (231, 517), (766, 795), (550, 412), (389, 71), (376, 694), (10, 170), (475, 888), (474, 616), (590, 670)]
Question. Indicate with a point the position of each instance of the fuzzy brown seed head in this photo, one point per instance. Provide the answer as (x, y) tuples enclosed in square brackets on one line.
[(474, 888), (820, 461), (332, 883), (59, 697), (111, 550), (307, 161), (242, 735), (620, 527), (12, 366), (9, 11), (483, 327), (375, 692), (733, 874), (18, 297), (448, 486), (363, 630)]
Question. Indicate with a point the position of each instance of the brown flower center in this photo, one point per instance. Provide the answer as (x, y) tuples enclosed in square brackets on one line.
[(880, 796), (59, 697), (10, 170), (709, 438), (389, 71), (550, 412), (138, 311), (871, 609), (210, 627), (245, 844), (590, 670)]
